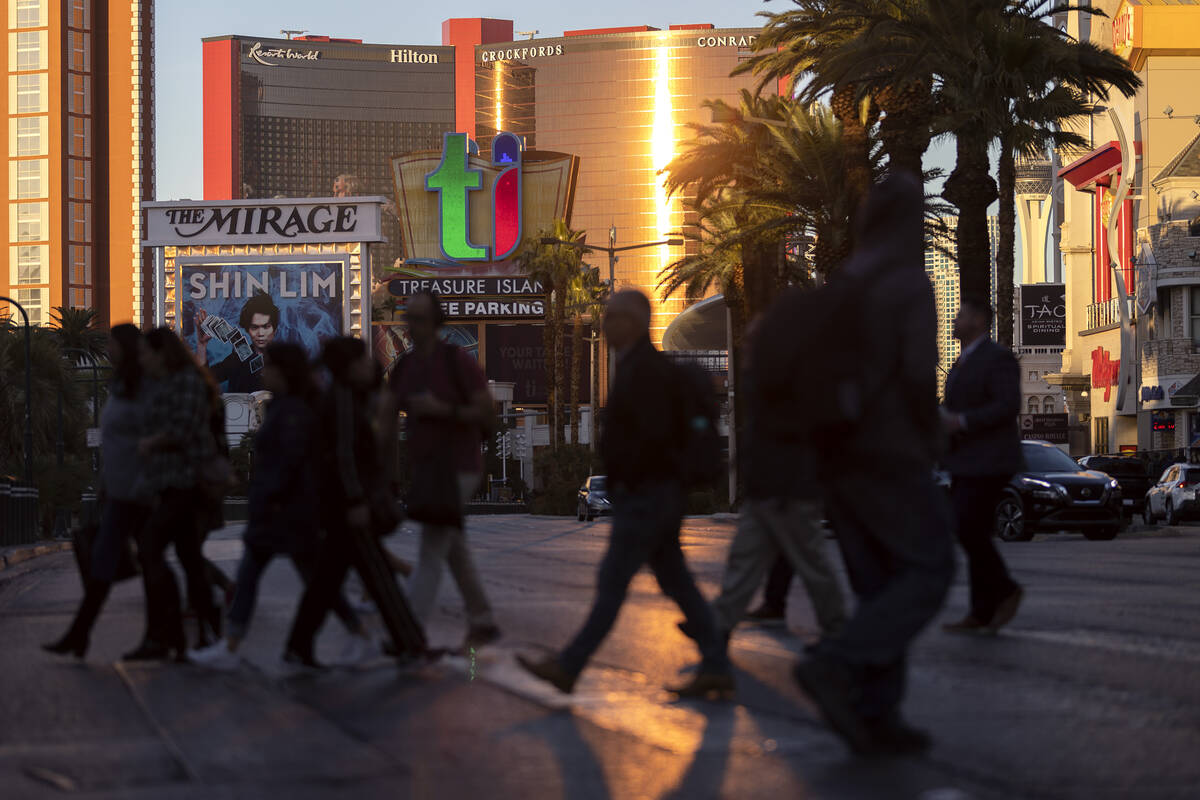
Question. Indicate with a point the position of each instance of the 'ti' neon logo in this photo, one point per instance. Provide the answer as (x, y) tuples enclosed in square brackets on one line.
[(454, 180)]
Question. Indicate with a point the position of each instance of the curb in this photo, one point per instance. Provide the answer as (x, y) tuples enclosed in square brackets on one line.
[(31, 551)]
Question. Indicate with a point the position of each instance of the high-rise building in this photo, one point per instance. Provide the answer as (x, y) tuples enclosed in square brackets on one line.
[(621, 99), (1035, 209), (320, 117), (80, 144), (941, 265)]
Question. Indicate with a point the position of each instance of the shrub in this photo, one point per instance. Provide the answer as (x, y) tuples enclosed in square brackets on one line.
[(562, 471)]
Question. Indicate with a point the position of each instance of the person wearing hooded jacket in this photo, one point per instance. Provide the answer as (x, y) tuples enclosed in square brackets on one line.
[(898, 548)]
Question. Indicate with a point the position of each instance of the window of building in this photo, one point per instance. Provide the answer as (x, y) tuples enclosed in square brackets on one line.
[(81, 90), (29, 222), (29, 136), (81, 298), (30, 264), (81, 264), (80, 18), (1033, 376), (1194, 314), (29, 179), (1100, 440), (1048, 405), (29, 50), (81, 222), (1033, 405), (81, 141), (29, 94), (81, 179), (80, 44), (29, 13), (33, 300)]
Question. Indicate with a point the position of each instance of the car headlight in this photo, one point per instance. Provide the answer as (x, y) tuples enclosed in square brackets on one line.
[(1044, 490), (1113, 484)]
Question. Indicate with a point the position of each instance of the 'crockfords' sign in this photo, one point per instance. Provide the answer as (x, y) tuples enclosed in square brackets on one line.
[(355, 219)]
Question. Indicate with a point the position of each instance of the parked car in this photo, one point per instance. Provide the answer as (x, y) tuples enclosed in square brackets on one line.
[(593, 498), (1053, 493), (1174, 497), (1130, 472)]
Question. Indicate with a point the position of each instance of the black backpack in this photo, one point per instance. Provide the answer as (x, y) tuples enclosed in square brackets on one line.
[(701, 451), (807, 359)]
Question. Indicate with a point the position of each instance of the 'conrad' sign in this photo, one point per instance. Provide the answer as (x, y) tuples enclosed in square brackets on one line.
[(353, 219)]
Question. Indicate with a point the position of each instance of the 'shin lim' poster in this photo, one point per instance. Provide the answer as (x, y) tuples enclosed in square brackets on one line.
[(231, 312)]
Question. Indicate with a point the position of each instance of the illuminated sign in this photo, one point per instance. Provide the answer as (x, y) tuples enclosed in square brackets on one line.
[(230, 222), (260, 54), (404, 56), (1123, 31), (725, 41), (454, 180), (520, 53), (1105, 371)]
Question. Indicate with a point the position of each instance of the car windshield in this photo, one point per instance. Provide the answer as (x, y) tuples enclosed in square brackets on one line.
[(597, 484), (1119, 467), (1040, 458)]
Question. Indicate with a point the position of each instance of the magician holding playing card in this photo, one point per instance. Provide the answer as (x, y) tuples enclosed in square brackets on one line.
[(241, 370)]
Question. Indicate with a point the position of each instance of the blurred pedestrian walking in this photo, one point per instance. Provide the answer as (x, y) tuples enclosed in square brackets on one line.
[(282, 506), (891, 521), (178, 448), (356, 506), (983, 399), (781, 516), (444, 395), (643, 445), (124, 506)]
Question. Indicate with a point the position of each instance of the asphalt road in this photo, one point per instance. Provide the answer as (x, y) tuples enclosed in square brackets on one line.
[(1093, 692)]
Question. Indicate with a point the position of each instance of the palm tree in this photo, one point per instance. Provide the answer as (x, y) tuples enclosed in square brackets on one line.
[(555, 266), (79, 328), (585, 299)]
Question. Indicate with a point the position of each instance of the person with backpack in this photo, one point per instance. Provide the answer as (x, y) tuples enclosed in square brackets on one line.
[(781, 514), (869, 339), (644, 446), (448, 409)]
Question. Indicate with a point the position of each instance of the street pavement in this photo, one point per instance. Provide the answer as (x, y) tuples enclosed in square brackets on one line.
[(1092, 692)]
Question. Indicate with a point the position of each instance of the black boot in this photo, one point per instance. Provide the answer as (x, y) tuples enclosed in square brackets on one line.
[(77, 637)]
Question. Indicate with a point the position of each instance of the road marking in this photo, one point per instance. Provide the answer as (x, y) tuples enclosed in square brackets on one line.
[(172, 746)]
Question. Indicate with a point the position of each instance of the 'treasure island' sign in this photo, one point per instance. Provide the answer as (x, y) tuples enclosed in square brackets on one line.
[(228, 222)]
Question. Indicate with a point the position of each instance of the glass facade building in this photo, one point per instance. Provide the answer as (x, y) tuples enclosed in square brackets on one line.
[(620, 99), (315, 117)]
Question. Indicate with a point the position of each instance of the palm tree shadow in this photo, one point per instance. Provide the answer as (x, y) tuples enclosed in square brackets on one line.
[(582, 773)]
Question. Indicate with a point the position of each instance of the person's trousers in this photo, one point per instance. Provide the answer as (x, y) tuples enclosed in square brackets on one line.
[(119, 520), (900, 558), (779, 580), (767, 530), (255, 559), (444, 544), (173, 521), (975, 500), (342, 548), (645, 530)]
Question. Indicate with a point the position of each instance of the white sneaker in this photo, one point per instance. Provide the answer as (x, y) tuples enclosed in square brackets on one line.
[(216, 656), (358, 651)]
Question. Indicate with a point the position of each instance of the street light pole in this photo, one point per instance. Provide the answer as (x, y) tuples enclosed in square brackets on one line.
[(28, 391)]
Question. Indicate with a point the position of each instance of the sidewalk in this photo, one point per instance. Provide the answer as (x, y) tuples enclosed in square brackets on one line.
[(11, 556)]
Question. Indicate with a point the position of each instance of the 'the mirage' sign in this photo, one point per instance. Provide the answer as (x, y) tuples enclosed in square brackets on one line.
[(227, 222)]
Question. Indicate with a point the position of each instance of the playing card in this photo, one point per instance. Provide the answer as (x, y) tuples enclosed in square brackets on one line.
[(224, 330), (242, 347), (256, 364)]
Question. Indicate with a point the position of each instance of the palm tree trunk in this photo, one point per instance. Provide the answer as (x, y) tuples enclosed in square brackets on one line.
[(856, 152), (735, 298), (576, 367), (1006, 244), (549, 342), (905, 130), (560, 317), (971, 189)]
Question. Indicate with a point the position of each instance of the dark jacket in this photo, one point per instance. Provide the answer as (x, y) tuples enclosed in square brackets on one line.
[(774, 464), (985, 387), (642, 441), (898, 319), (282, 503), (350, 463)]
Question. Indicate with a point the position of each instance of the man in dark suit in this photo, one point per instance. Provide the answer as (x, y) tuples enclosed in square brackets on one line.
[(983, 398)]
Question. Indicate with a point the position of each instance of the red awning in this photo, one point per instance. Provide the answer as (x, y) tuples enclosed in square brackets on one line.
[(1096, 166)]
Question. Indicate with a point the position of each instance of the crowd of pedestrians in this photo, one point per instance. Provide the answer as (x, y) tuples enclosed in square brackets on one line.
[(323, 489)]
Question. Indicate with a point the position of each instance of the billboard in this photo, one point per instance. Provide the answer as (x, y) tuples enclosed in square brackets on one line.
[(517, 354), (230, 311), (1053, 428), (1044, 315)]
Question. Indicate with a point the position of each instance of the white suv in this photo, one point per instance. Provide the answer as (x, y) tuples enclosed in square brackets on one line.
[(1174, 497)]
